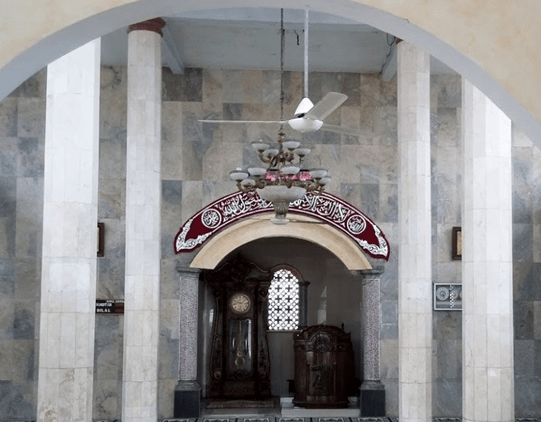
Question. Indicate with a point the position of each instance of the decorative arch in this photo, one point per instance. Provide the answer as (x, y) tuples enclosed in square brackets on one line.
[(323, 207), (248, 230)]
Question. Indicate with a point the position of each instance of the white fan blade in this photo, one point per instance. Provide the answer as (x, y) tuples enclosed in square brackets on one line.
[(340, 129), (245, 121), (326, 105), (304, 106)]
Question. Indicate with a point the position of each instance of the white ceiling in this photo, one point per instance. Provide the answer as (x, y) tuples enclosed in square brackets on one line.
[(250, 39)]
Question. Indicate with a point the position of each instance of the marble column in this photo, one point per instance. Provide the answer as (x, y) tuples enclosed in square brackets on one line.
[(414, 213), (487, 266), (143, 193), (188, 390), (68, 275), (372, 390)]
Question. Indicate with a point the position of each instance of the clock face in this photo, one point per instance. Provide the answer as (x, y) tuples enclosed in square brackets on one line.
[(240, 303)]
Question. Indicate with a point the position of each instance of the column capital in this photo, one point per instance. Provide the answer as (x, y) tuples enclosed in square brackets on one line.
[(153, 25), (180, 268), (367, 276), (379, 270)]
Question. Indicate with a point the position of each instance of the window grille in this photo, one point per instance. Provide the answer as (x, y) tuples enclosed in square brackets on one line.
[(284, 301)]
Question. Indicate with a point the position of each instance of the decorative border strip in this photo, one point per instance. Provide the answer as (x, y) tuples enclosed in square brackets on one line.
[(324, 206)]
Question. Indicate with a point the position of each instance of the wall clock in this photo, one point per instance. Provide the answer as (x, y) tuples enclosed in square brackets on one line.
[(240, 303)]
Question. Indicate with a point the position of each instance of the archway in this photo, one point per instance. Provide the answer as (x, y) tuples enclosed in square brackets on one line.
[(334, 296), (449, 34), (307, 229)]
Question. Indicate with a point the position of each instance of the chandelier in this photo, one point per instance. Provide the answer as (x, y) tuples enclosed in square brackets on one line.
[(284, 180)]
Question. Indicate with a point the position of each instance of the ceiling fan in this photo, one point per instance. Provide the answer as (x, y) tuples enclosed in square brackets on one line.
[(307, 117)]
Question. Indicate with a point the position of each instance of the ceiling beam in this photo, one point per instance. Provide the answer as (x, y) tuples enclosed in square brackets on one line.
[(171, 54)]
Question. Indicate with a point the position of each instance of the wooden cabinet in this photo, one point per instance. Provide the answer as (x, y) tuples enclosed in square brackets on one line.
[(323, 367)]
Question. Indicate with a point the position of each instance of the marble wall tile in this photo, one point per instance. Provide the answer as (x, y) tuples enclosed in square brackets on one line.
[(7, 236), (527, 393), (8, 196), (212, 96), (294, 89), (170, 214), (388, 359), (350, 84), (215, 190), (271, 85), (252, 81), (113, 157), (172, 118), (23, 320), (31, 118), (30, 157), (524, 358), (29, 216), (111, 276), (376, 92), (27, 274), (522, 243), (107, 400), (113, 105), (165, 398), (446, 127), (15, 402), (7, 278), (232, 90), (7, 309), (192, 199), (111, 198), (9, 117), (537, 360), (523, 320), (370, 197), (186, 87), (169, 346), (448, 90), (351, 192), (537, 319), (449, 357), (445, 398), (8, 155)]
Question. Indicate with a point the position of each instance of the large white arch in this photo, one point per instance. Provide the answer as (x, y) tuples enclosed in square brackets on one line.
[(492, 53), (306, 228)]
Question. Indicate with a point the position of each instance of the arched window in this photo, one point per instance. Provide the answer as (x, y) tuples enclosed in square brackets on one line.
[(283, 312)]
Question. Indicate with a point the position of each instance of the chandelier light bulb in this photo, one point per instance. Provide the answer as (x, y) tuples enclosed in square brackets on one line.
[(272, 152), (260, 146), (257, 171), (238, 175), (290, 170), (318, 173), (291, 145), (325, 180), (302, 152)]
